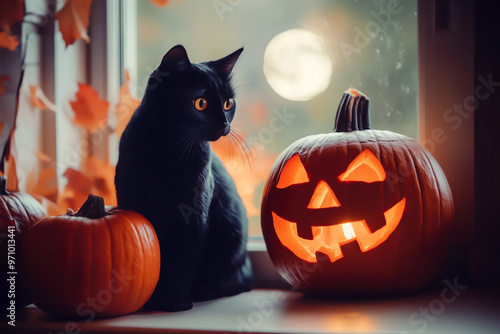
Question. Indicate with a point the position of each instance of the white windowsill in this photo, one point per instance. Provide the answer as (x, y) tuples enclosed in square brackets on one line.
[(278, 311)]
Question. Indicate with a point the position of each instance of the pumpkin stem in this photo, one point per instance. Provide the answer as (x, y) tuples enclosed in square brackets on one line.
[(93, 208), (352, 113), (3, 185)]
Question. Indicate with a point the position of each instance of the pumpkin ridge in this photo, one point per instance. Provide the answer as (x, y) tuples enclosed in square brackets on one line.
[(112, 261), (435, 181), (418, 188), (137, 235), (396, 234), (20, 208), (6, 207), (142, 249), (72, 264), (90, 237)]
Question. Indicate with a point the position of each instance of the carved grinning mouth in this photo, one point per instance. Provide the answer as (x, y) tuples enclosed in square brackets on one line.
[(328, 239)]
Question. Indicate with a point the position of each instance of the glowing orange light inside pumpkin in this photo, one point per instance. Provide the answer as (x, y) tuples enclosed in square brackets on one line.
[(323, 197), (328, 239), (365, 168), (293, 173)]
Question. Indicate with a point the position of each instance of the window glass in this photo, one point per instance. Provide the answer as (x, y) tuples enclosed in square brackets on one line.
[(300, 56)]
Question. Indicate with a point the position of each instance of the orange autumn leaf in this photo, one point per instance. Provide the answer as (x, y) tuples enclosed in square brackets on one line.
[(76, 190), (1, 129), (90, 111), (8, 41), (39, 100), (11, 11), (3, 89), (126, 106), (96, 177), (74, 20), (160, 3), (44, 184), (102, 176), (11, 173)]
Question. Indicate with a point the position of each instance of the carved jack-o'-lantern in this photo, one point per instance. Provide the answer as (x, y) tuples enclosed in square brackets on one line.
[(357, 211)]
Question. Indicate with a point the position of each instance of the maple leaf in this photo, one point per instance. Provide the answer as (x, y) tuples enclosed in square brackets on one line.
[(74, 20), (8, 41), (90, 111), (39, 100), (102, 176), (11, 11), (3, 89), (76, 190), (160, 3), (126, 106), (11, 172), (44, 184), (96, 177)]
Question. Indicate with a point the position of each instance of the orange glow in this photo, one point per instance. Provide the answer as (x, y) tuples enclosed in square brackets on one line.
[(247, 179), (323, 197), (328, 239), (350, 322), (292, 173), (365, 168), (354, 91)]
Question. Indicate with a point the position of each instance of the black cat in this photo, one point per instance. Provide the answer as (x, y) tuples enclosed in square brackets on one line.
[(167, 172)]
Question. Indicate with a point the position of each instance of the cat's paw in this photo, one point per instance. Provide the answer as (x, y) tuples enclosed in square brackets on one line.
[(169, 305)]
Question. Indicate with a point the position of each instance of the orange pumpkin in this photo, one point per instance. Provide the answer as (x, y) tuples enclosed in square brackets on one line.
[(357, 211), (92, 263), (18, 212)]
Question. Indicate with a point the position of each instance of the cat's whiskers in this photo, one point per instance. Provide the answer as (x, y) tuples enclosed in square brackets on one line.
[(243, 82), (242, 147)]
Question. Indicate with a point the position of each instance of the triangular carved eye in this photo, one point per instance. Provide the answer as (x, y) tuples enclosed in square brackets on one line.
[(292, 173), (365, 168), (323, 197)]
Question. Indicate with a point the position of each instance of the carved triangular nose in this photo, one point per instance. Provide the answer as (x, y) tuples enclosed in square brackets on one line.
[(323, 197)]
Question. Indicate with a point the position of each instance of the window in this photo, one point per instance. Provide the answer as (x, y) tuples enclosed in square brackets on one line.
[(300, 56)]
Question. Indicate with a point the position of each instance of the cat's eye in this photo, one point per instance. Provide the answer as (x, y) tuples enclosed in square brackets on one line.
[(200, 104), (228, 104)]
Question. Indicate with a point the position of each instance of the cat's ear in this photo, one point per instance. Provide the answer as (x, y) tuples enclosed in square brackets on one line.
[(175, 60), (227, 63)]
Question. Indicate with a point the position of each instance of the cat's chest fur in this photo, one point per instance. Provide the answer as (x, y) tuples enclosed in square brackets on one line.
[(170, 177)]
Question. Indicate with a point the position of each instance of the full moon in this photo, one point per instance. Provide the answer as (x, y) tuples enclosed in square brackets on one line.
[(297, 65)]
